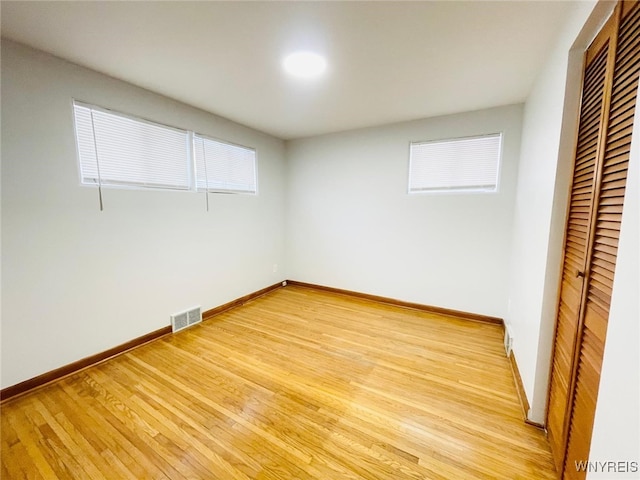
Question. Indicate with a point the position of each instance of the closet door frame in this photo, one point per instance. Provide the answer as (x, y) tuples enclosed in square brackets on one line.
[(607, 36)]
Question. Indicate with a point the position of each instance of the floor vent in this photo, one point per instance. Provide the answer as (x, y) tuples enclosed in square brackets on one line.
[(182, 320), (508, 340)]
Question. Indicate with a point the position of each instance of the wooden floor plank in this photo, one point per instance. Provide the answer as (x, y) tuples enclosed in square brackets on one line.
[(298, 384)]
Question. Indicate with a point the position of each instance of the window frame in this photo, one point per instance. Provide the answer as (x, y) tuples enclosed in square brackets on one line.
[(458, 190), (190, 158), (194, 136), (123, 184)]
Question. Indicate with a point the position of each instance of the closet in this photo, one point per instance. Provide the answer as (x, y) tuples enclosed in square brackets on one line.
[(609, 89)]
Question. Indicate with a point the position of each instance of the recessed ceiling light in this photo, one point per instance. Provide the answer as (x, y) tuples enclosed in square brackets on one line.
[(305, 64)]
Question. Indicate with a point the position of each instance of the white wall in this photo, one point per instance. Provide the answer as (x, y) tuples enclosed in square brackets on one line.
[(548, 137), (616, 432), (352, 225), (77, 281)]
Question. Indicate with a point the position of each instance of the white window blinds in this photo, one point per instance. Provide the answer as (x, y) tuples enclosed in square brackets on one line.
[(224, 167), (464, 164), (118, 150)]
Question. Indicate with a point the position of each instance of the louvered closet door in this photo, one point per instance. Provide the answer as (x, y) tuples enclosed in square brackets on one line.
[(576, 243), (608, 215)]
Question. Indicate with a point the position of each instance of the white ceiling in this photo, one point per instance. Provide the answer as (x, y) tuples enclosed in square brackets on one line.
[(387, 61)]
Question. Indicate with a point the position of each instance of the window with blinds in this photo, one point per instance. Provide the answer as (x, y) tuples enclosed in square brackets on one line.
[(224, 167), (118, 150), (468, 164)]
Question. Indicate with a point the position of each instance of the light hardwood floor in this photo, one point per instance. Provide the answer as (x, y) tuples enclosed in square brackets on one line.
[(298, 384)]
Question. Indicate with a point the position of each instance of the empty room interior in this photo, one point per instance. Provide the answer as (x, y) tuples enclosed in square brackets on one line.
[(320, 240)]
